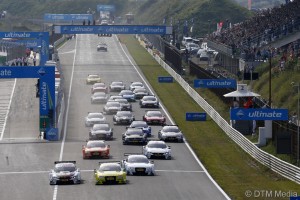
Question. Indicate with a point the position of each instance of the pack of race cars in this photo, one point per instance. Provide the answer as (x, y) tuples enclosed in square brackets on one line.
[(136, 131)]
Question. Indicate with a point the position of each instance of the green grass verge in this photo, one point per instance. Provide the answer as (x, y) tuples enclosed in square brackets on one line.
[(233, 169)]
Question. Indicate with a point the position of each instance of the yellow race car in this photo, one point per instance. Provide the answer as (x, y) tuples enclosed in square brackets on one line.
[(110, 173), (93, 78)]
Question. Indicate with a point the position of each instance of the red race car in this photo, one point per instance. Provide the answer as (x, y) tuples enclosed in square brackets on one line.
[(154, 117), (95, 148)]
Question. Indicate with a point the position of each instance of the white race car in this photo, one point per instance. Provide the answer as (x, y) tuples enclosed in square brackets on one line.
[(170, 133), (136, 164), (65, 172), (157, 149), (94, 118)]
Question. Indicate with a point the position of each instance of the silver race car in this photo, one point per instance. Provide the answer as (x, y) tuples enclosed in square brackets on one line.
[(170, 133), (137, 164), (157, 149), (65, 172)]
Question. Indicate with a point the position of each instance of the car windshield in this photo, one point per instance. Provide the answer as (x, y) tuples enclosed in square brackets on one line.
[(139, 124), (99, 85), (134, 132), (157, 145), (154, 114), (140, 90), (148, 98), (123, 101), (171, 129), (104, 127), (117, 84), (93, 76), (67, 167), (124, 114), (92, 144), (126, 92), (113, 104), (111, 167), (99, 94), (95, 115), (137, 159), (137, 84)]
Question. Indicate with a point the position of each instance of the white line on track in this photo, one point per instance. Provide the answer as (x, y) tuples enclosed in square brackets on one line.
[(91, 170), (66, 120), (8, 109), (171, 120)]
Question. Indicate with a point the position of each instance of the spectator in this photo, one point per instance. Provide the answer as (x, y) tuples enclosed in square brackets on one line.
[(34, 61), (261, 29)]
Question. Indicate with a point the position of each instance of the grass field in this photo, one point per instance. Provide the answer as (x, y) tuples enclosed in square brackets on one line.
[(233, 169)]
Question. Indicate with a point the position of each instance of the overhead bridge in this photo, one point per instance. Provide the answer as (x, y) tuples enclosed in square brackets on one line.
[(113, 29)]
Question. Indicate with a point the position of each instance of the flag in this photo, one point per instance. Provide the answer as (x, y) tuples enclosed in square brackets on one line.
[(164, 20), (191, 29)]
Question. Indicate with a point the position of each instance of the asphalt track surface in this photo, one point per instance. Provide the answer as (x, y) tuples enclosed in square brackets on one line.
[(25, 164)]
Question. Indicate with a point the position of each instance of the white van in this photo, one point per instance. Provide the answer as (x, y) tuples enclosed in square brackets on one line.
[(204, 56), (186, 40)]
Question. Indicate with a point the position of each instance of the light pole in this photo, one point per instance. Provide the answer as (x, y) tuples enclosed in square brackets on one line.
[(298, 87), (209, 27), (270, 77)]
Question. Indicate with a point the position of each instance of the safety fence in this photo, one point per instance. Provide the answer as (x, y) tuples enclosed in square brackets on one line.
[(281, 167)]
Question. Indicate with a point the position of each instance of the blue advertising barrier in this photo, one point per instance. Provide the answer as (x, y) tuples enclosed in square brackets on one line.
[(215, 83), (46, 76), (258, 114), (67, 17), (34, 43), (195, 116), (110, 8), (42, 36), (113, 29), (165, 79)]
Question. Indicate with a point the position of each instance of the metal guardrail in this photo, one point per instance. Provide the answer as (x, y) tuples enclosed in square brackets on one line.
[(281, 167)]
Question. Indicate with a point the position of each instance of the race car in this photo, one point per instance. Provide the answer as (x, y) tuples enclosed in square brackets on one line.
[(143, 125), (116, 86), (149, 101), (140, 92), (135, 85), (95, 148), (134, 136), (114, 97), (109, 173), (154, 117), (99, 87), (101, 131), (93, 78), (170, 133), (94, 118), (125, 105), (65, 172), (123, 117), (112, 107), (99, 97), (137, 164), (128, 94), (157, 149), (101, 47)]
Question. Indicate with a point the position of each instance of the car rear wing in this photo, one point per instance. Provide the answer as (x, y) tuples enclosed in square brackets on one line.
[(129, 154), (118, 162), (57, 162)]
